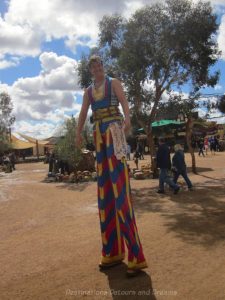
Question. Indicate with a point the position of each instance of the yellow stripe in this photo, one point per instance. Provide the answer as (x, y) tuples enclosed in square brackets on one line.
[(104, 240), (110, 165), (134, 265), (99, 168), (127, 188), (101, 191), (102, 215), (108, 259), (108, 137), (98, 137), (115, 190), (121, 215)]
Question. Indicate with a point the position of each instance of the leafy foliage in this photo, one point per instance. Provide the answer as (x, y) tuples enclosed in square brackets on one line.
[(161, 46), (6, 107), (67, 150), (221, 104), (6, 120)]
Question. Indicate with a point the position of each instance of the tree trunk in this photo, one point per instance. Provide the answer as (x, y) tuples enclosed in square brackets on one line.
[(152, 153), (189, 126)]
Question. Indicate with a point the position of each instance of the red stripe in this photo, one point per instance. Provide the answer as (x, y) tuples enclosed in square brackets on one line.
[(110, 227)]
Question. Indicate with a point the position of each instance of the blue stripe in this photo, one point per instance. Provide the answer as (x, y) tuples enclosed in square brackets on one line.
[(111, 241), (121, 198), (110, 217), (116, 172), (110, 150)]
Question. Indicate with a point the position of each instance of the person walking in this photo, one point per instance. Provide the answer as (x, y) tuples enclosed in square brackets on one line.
[(216, 144), (140, 150), (206, 145), (128, 151), (201, 147), (179, 166), (117, 219), (212, 145), (12, 159), (164, 164), (136, 158)]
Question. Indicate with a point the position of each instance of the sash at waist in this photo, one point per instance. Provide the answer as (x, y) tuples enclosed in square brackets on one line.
[(107, 114)]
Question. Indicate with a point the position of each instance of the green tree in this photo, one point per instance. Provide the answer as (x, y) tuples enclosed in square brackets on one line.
[(185, 107), (6, 120), (66, 150), (160, 48), (221, 104)]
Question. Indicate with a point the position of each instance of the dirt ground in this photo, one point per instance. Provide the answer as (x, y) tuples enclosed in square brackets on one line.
[(50, 238)]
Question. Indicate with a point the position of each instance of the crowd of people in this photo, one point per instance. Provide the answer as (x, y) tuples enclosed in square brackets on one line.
[(211, 143)]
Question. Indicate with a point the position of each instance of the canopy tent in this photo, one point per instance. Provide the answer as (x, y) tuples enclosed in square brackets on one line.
[(166, 123), (20, 144), (171, 123), (33, 140), (31, 146)]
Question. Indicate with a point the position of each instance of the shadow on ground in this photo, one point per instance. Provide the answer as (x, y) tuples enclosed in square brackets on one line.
[(70, 186), (129, 288), (196, 217), (200, 169)]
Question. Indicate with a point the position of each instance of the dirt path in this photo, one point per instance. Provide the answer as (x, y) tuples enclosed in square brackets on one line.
[(50, 239)]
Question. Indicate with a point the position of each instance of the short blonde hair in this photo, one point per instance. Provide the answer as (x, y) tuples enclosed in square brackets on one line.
[(94, 59), (178, 147)]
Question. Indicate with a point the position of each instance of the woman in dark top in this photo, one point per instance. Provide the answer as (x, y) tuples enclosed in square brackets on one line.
[(179, 166)]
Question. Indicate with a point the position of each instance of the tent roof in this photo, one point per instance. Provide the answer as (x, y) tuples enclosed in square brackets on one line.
[(164, 123), (20, 144), (33, 140)]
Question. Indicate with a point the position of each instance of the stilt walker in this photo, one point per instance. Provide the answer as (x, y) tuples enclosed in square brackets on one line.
[(117, 220)]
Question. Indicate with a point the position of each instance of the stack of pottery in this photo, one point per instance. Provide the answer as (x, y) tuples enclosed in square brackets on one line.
[(86, 175), (146, 169), (94, 176), (79, 176)]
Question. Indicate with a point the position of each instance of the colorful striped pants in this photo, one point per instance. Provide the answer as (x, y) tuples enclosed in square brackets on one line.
[(117, 220)]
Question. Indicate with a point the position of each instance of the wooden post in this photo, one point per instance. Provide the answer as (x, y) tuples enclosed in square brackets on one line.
[(37, 149)]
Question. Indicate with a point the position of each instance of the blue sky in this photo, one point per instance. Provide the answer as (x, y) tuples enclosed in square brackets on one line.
[(40, 49)]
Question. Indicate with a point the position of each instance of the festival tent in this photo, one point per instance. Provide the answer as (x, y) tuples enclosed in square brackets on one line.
[(25, 144), (169, 123)]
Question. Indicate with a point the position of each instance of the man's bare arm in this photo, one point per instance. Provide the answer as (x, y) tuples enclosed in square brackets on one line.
[(82, 115)]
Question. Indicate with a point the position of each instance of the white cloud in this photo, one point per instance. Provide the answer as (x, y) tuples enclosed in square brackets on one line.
[(7, 63), (49, 97), (19, 39), (218, 87), (28, 23)]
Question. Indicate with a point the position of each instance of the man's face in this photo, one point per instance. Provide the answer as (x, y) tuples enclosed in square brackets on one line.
[(96, 69)]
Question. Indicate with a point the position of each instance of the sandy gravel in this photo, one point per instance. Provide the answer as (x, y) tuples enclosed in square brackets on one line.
[(50, 238)]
